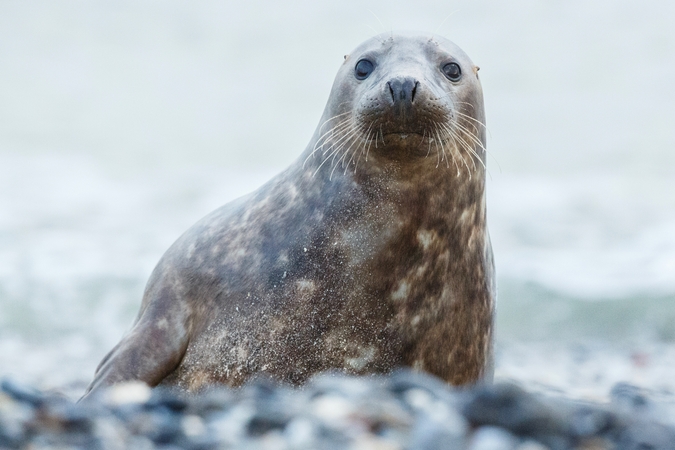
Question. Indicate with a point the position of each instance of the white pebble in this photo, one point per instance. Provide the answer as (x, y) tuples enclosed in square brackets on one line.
[(492, 438), (129, 392)]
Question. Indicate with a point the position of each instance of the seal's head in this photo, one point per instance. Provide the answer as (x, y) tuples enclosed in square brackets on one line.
[(404, 98)]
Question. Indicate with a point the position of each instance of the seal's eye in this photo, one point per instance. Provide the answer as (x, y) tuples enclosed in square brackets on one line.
[(363, 69), (452, 71)]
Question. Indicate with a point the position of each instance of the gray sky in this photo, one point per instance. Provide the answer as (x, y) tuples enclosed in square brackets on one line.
[(571, 86)]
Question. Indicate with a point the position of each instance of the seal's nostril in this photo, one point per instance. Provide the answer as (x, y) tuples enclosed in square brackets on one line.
[(391, 91), (414, 90)]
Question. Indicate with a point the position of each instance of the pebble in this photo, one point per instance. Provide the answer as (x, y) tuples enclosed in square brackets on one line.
[(402, 411), (492, 438)]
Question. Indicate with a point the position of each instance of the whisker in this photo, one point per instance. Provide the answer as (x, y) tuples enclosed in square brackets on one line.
[(328, 135), (369, 144), (332, 118), (465, 145), (453, 148), (474, 139), (438, 154), (378, 19), (334, 148), (473, 119), (376, 134), (332, 154), (346, 151), (348, 139), (446, 18), (430, 139), (324, 139), (346, 128), (470, 135), (454, 160), (466, 103), (457, 146), (363, 146), (335, 166), (481, 144), (345, 134), (440, 141)]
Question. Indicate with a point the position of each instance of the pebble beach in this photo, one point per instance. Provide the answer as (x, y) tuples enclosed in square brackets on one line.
[(405, 410)]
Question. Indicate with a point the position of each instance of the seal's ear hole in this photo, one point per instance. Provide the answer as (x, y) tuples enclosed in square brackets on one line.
[(346, 57)]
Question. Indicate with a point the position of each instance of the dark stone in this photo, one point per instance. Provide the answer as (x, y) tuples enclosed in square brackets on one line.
[(127, 411), (262, 424), (166, 428), (403, 379), (163, 398), (428, 434), (261, 388), (347, 387), (66, 416), (629, 398), (202, 443), (7, 440), (510, 407), (22, 393), (588, 421), (213, 400), (646, 436)]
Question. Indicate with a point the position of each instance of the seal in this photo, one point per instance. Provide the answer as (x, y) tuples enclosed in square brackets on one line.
[(369, 253)]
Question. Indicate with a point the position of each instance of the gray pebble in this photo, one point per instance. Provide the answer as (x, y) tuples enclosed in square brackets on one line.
[(492, 438), (403, 411)]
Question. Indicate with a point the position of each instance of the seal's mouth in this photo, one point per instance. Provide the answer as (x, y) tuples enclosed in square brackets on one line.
[(406, 138), (421, 129), (403, 135), (402, 145)]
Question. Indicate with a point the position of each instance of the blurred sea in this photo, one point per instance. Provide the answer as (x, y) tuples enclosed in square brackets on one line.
[(122, 123)]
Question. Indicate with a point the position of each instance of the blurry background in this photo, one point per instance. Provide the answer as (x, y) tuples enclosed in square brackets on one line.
[(124, 122)]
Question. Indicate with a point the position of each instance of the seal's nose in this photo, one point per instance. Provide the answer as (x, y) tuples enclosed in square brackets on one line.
[(403, 91)]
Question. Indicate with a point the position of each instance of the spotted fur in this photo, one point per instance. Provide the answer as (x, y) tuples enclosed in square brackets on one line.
[(370, 252)]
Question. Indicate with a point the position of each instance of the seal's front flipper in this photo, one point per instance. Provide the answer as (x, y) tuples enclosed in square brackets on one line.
[(149, 352)]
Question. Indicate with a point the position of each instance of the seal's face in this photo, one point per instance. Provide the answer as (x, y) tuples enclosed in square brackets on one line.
[(405, 98)]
